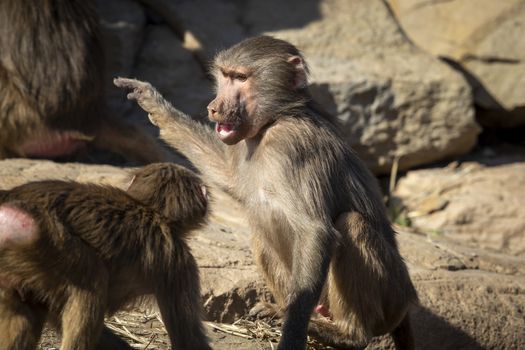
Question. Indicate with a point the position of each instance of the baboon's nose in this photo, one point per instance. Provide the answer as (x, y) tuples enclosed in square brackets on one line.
[(213, 109), (212, 112)]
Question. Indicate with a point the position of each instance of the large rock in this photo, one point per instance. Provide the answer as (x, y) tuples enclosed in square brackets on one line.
[(458, 288), (205, 26), (486, 38), (138, 46), (393, 100), (122, 23), (173, 70), (479, 205), (470, 298)]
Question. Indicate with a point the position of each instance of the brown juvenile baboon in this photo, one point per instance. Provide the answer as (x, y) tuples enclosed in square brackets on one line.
[(321, 234), (51, 91), (72, 253)]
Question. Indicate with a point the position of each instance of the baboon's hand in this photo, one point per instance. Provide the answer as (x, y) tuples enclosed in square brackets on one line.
[(148, 98)]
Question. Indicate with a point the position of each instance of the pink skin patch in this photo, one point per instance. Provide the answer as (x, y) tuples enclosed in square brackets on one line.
[(17, 227), (225, 130), (54, 144), (323, 311)]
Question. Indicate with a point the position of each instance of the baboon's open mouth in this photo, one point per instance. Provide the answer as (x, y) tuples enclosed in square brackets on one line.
[(226, 131), (224, 128)]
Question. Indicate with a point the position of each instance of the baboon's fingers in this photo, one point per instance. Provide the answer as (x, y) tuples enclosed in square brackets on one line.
[(263, 310), (145, 94), (140, 89), (128, 83)]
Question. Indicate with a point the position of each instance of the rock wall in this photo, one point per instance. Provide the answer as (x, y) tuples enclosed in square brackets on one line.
[(485, 39), (393, 100)]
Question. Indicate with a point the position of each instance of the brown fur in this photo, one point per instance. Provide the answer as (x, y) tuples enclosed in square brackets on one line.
[(97, 249), (321, 233), (51, 85)]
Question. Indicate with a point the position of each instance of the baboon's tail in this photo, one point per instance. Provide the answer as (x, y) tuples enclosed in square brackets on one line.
[(327, 333), (130, 140), (402, 335)]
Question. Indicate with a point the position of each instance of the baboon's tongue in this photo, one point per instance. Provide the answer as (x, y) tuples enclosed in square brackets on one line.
[(225, 127), (227, 132)]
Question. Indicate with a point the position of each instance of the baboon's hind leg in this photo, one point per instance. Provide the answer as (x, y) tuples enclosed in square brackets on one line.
[(276, 276), (20, 323)]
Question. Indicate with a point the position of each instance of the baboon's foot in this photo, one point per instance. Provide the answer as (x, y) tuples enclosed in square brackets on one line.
[(264, 310)]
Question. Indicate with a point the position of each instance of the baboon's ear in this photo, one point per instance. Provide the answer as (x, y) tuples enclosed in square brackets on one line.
[(300, 81)]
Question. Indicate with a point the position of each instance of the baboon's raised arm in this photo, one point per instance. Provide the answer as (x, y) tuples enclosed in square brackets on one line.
[(193, 139)]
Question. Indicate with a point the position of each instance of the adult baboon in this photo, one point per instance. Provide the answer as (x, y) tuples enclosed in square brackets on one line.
[(73, 253), (321, 233), (51, 91)]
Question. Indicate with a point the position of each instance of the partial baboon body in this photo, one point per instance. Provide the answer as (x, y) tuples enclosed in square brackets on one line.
[(73, 253), (322, 237), (51, 91)]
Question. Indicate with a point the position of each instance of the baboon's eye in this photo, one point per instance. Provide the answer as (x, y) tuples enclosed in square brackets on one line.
[(240, 77)]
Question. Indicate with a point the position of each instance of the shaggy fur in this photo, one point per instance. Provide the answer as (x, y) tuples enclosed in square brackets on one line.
[(94, 250)]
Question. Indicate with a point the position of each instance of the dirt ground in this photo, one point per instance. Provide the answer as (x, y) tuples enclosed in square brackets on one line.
[(142, 328), (458, 285)]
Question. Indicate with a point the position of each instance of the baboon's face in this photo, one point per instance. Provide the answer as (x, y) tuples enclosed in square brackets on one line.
[(257, 81), (234, 109)]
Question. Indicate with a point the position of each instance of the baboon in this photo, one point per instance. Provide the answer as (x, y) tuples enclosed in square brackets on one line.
[(72, 253), (321, 234), (51, 91)]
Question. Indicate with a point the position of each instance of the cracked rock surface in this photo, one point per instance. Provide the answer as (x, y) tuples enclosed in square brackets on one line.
[(480, 204)]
